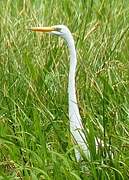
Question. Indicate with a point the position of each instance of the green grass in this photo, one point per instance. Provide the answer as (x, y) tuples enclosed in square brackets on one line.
[(35, 140)]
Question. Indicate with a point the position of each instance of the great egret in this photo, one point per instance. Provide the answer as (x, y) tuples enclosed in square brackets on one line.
[(76, 127)]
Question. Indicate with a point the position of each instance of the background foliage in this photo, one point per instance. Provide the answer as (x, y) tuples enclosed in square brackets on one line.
[(34, 126)]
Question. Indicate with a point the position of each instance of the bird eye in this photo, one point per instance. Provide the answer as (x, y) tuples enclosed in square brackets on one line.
[(58, 29)]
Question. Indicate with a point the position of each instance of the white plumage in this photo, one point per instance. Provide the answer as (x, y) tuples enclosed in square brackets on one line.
[(76, 127)]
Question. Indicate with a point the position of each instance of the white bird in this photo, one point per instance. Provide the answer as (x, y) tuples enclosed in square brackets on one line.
[(76, 127)]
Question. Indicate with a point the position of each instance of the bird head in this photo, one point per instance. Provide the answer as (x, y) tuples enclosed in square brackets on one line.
[(59, 30)]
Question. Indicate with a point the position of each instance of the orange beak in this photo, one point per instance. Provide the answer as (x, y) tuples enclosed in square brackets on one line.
[(42, 29)]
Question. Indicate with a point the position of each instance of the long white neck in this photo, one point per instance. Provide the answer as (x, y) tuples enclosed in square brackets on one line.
[(72, 73), (74, 114), (76, 126)]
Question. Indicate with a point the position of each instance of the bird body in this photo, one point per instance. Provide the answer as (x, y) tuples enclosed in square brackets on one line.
[(76, 127)]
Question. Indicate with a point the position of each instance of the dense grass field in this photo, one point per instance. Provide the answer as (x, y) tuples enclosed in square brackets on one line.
[(35, 141)]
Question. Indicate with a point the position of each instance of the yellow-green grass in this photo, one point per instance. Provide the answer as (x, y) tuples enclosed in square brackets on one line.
[(35, 141)]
